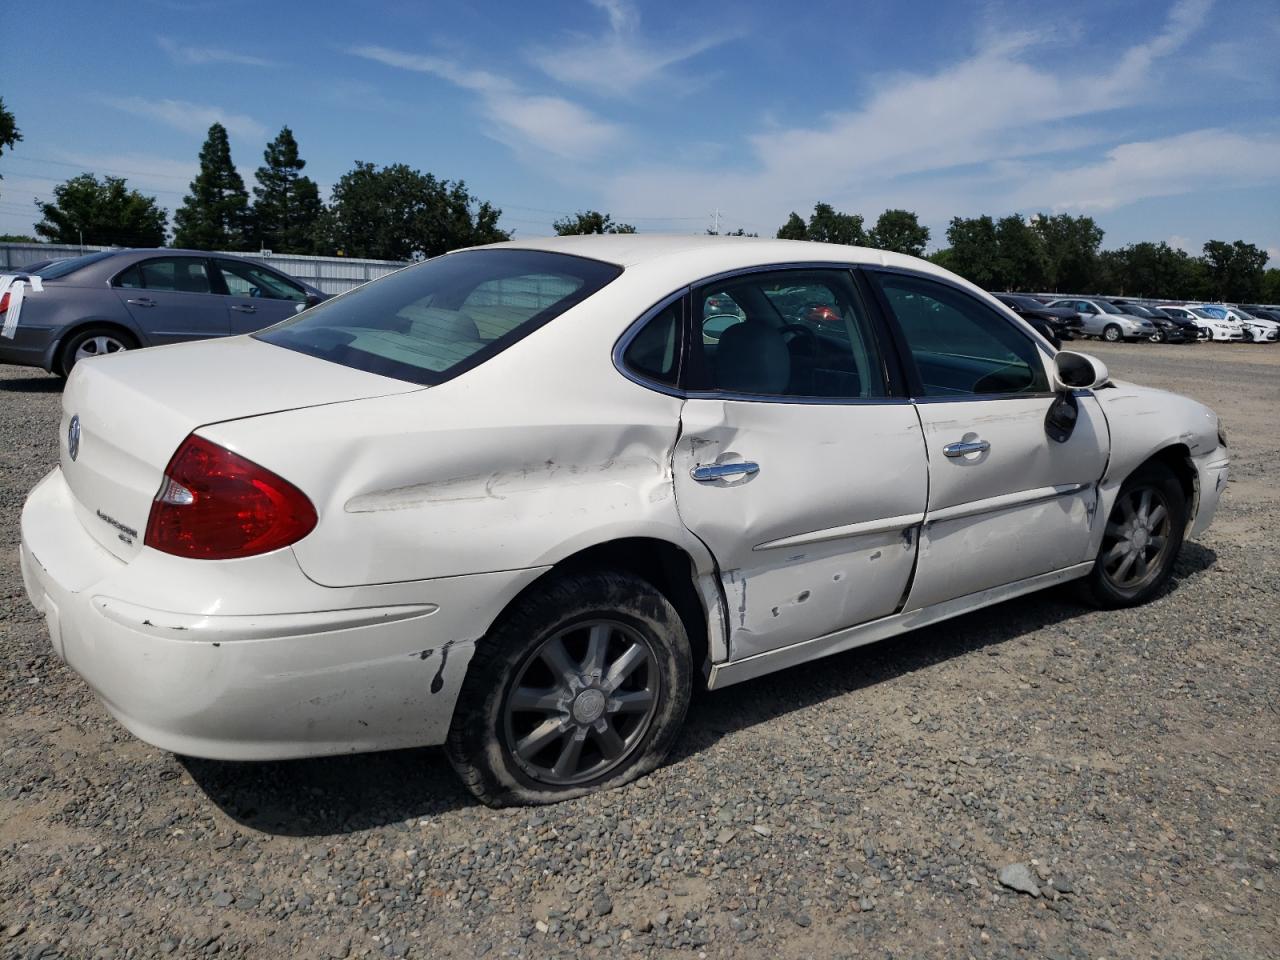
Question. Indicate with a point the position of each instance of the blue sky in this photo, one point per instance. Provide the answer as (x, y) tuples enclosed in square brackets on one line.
[(1157, 118)]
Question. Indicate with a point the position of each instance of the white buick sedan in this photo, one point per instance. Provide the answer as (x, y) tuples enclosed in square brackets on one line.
[(518, 500)]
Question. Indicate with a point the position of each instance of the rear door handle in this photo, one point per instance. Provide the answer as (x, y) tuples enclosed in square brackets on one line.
[(244, 307), (707, 472), (962, 447), (141, 301)]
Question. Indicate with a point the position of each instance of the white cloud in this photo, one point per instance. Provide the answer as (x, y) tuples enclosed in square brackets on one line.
[(1179, 242), (196, 56), (194, 118), (620, 61), (551, 124), (961, 135), (1161, 168)]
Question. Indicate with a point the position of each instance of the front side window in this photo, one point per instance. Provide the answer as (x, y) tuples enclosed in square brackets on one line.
[(960, 346), (430, 322), (785, 333), (172, 274), (250, 280)]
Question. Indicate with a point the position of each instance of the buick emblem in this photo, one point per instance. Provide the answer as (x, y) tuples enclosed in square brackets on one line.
[(73, 437)]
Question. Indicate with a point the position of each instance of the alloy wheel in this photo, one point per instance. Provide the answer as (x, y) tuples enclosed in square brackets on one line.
[(581, 702), (98, 346), (1136, 538)]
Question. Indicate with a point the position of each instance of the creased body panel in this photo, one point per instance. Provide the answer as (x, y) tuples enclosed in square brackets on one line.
[(501, 469), (823, 535)]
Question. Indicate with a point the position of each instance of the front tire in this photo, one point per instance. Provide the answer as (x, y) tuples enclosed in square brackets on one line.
[(1143, 536), (1112, 334), (582, 686)]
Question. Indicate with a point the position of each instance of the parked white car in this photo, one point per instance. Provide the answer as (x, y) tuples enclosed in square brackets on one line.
[(1102, 318), (1222, 325), (1184, 313), (514, 501), (1256, 329)]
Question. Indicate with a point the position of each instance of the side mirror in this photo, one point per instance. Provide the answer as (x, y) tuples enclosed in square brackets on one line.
[(313, 299), (1078, 371)]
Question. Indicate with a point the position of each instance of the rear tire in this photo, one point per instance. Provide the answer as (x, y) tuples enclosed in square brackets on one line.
[(1143, 536), (1112, 334), (581, 686), (92, 342)]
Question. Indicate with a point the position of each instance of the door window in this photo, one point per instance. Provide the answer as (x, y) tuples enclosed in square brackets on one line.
[(960, 346), (245, 279), (785, 333), (177, 274)]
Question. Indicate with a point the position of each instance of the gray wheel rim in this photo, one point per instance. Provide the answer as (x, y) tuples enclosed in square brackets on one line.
[(581, 702), (1137, 538), (98, 346), (1111, 333)]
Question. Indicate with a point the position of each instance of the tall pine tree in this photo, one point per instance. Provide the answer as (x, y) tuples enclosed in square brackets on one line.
[(215, 215), (286, 207)]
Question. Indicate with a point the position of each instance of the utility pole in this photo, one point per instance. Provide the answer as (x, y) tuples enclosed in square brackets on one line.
[(716, 217)]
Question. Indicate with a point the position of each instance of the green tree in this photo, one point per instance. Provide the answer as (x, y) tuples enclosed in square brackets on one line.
[(286, 206), (828, 225), (899, 231), (1151, 270), (589, 221), (88, 210), (10, 135), (1020, 261), (215, 214), (1271, 286), (793, 229), (1234, 271), (974, 249), (1070, 251), (395, 212)]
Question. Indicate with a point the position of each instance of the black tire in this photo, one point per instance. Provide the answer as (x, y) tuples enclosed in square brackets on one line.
[(479, 744), (117, 339), (1158, 337), (1104, 587), (1112, 333)]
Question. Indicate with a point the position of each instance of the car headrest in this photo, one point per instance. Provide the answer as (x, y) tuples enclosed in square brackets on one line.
[(752, 358)]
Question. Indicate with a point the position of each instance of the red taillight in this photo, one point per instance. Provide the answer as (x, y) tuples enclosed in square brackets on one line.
[(4, 302), (216, 505)]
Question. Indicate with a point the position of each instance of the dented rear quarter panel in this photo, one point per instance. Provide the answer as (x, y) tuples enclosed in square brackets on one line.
[(540, 452)]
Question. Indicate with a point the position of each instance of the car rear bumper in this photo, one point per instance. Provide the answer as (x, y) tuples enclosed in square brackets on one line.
[(29, 347), (306, 676)]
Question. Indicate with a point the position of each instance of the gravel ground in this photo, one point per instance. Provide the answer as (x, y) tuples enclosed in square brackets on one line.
[(1122, 765)]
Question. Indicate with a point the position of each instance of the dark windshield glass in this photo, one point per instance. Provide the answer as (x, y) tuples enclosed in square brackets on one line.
[(61, 268), (433, 321)]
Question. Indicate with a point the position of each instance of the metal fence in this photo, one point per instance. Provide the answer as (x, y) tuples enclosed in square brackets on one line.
[(328, 274)]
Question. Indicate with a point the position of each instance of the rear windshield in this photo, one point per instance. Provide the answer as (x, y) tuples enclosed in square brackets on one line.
[(61, 268), (430, 322)]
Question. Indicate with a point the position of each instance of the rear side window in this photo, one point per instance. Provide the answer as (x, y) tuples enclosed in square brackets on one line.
[(787, 333), (960, 346), (654, 353), (175, 274), (66, 267), (430, 322)]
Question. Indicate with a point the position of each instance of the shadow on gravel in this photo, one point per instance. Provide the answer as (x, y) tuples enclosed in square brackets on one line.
[(49, 384), (335, 795)]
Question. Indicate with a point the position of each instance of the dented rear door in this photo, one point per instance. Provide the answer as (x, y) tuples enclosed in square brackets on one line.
[(823, 535)]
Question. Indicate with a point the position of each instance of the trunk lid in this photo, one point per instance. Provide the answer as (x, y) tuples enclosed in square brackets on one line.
[(132, 410)]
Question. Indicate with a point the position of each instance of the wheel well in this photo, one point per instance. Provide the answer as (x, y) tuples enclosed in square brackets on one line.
[(1177, 457), (83, 325), (668, 568)]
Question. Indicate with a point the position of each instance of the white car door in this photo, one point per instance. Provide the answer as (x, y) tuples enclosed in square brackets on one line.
[(796, 465), (1006, 502)]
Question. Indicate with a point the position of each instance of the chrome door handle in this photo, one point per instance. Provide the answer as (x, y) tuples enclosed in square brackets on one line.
[(244, 307), (962, 447), (141, 301), (719, 471)]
